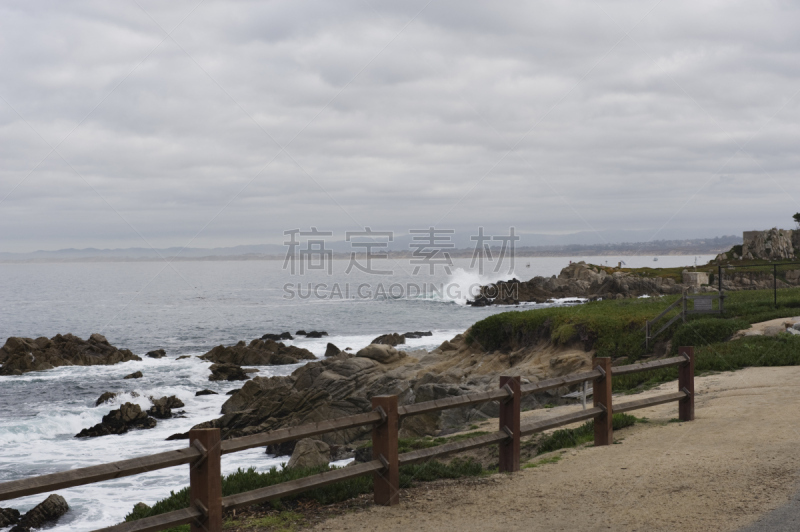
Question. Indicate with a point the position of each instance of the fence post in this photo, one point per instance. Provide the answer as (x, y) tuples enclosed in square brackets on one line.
[(205, 481), (386, 482), (509, 421), (601, 389), (686, 383), (685, 298)]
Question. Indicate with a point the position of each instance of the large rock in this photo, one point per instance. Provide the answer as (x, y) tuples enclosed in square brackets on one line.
[(385, 354), (46, 512), (134, 375), (21, 355), (162, 408), (227, 372), (309, 453), (126, 417), (390, 339), (331, 350), (104, 398), (258, 353), (8, 517), (576, 280), (774, 244), (158, 353)]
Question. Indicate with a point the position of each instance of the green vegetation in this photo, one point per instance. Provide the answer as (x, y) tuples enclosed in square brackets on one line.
[(250, 479), (406, 445), (565, 438), (751, 351), (282, 522)]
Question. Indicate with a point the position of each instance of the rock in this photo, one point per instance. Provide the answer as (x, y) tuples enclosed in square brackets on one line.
[(316, 334), (793, 331), (385, 354), (21, 355), (390, 339), (178, 436), (417, 334), (205, 392), (8, 517), (774, 244), (135, 375), (331, 350), (309, 453), (162, 408), (158, 353), (184, 356), (258, 353), (447, 346), (104, 398), (231, 392), (141, 507), (281, 449), (46, 512), (363, 454), (126, 417), (300, 333), (278, 337), (227, 372), (774, 330)]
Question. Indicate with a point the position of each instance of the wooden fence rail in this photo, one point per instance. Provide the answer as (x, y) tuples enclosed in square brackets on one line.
[(205, 447)]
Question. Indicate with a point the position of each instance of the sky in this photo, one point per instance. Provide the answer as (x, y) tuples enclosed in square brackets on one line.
[(209, 123)]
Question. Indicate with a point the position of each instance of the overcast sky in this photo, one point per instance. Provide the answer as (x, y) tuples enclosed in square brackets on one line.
[(139, 123)]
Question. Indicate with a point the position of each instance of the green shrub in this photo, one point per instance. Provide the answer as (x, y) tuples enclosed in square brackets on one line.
[(564, 438), (706, 331)]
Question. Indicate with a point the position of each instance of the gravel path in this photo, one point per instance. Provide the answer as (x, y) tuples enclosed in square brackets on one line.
[(736, 462)]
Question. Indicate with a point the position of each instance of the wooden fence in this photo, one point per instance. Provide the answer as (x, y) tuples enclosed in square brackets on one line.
[(205, 447)]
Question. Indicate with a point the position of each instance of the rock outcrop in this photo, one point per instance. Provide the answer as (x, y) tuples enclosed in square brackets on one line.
[(227, 372), (258, 353), (578, 280), (104, 398), (8, 517), (331, 350), (390, 339), (127, 417), (309, 453), (162, 408), (46, 512), (134, 375), (343, 385), (278, 337), (21, 355), (158, 353), (205, 392), (774, 244)]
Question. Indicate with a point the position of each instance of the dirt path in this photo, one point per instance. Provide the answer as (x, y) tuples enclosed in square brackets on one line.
[(738, 460)]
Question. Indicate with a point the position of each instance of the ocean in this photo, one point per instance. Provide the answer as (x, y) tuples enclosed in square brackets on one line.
[(186, 308)]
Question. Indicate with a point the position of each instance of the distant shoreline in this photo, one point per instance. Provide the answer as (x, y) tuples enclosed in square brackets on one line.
[(457, 254)]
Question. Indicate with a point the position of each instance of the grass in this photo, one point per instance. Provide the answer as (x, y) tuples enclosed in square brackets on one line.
[(250, 479), (282, 522), (566, 438)]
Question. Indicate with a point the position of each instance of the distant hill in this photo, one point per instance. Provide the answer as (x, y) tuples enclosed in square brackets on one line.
[(524, 248)]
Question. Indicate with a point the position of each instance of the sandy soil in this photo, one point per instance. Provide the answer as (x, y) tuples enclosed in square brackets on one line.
[(738, 460), (768, 328)]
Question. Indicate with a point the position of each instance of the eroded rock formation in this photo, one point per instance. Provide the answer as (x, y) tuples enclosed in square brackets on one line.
[(258, 353)]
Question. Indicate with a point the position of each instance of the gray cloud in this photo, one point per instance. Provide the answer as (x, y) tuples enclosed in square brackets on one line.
[(686, 127)]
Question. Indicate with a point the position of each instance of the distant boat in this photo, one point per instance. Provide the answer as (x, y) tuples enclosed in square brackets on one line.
[(655, 259)]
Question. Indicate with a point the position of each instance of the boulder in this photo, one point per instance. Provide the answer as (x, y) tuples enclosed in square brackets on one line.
[(21, 355), (258, 353), (126, 417), (231, 392), (134, 375), (205, 392), (309, 453), (8, 517), (46, 512), (331, 350), (316, 334), (278, 337), (390, 339), (158, 353), (448, 346), (385, 354), (162, 408), (417, 334), (104, 398), (300, 333), (227, 372), (184, 356)]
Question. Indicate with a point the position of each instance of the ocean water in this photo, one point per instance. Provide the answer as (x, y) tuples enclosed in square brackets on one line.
[(187, 308)]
